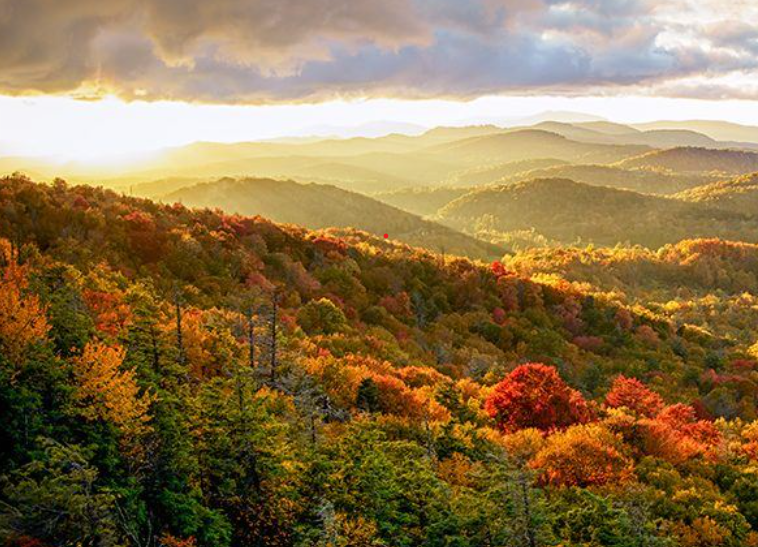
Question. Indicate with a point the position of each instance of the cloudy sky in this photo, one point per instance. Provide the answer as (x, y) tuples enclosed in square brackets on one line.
[(347, 60)]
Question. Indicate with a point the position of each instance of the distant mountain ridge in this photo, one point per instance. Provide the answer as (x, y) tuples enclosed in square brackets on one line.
[(608, 133), (716, 129), (530, 144), (466, 155)]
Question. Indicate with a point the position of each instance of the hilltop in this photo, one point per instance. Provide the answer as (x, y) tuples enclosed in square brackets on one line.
[(711, 284), (600, 133), (739, 195), (427, 201), (489, 174), (533, 144), (640, 180), (698, 160), (319, 206), (716, 129)]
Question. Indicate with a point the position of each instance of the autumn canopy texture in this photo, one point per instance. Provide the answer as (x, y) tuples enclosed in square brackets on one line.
[(378, 273), (203, 379)]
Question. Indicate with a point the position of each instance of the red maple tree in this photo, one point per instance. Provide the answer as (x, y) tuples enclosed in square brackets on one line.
[(534, 395)]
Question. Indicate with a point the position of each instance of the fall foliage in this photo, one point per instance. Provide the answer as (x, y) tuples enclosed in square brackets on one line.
[(22, 316), (107, 392), (583, 455), (632, 394), (533, 395), (419, 399)]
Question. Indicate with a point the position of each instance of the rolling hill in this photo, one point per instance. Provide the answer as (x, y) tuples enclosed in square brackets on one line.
[(388, 163), (639, 180), (697, 160), (370, 173), (569, 212), (609, 128), (422, 201), (739, 195), (624, 135), (488, 174), (531, 144), (708, 283), (427, 201), (716, 129), (358, 159), (318, 206)]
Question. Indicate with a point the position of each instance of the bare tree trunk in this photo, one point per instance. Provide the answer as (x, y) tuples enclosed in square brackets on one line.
[(181, 358), (240, 393), (154, 344), (429, 440), (274, 319), (313, 428), (251, 338)]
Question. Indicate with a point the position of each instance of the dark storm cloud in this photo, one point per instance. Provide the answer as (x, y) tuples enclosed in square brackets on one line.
[(46, 45), (279, 50)]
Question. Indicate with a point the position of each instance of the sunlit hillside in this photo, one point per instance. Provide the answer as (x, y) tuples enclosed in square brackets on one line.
[(739, 194), (321, 206), (708, 283), (222, 373), (647, 181), (364, 273), (696, 160), (568, 212)]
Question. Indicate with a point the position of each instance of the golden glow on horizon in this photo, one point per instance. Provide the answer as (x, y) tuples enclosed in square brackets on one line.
[(113, 132)]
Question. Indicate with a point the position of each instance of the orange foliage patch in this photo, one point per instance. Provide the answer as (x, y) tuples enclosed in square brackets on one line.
[(111, 313), (583, 455), (634, 395)]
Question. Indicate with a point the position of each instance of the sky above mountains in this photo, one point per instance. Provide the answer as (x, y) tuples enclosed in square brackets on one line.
[(241, 51), (174, 71)]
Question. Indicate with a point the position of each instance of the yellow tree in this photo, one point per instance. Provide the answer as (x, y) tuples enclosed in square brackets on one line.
[(22, 316), (106, 392), (583, 455)]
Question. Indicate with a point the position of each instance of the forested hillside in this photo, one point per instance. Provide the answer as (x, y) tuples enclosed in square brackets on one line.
[(423, 201), (184, 378), (560, 211), (324, 206), (739, 195), (428, 200), (640, 180), (696, 160), (489, 174), (708, 283)]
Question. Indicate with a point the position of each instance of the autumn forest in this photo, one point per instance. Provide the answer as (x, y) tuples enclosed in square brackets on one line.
[(179, 377), (378, 273)]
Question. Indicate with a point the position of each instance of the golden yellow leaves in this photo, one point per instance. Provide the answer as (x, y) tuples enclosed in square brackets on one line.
[(106, 392), (22, 315)]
